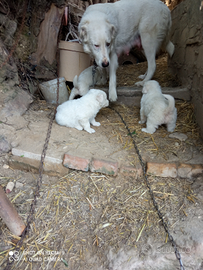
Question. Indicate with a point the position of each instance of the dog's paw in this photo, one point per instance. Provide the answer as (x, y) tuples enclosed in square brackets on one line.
[(113, 97), (96, 124), (90, 130), (141, 122), (147, 131), (140, 83)]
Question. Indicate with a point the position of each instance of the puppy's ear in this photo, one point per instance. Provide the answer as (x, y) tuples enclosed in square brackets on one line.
[(100, 98), (83, 31)]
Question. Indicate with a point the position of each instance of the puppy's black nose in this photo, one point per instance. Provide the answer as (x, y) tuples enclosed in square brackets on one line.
[(105, 64)]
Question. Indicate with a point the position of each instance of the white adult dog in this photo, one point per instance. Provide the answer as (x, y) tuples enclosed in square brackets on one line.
[(80, 113), (108, 29), (85, 80), (156, 108)]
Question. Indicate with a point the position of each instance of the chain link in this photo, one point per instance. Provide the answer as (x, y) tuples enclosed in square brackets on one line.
[(94, 68), (165, 225)]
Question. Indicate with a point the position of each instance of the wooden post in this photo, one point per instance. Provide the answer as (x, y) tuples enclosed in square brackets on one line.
[(10, 215)]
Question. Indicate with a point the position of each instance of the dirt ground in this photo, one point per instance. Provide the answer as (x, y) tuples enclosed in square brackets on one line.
[(97, 222)]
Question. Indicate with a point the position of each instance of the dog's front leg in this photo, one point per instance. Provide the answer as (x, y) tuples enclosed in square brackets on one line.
[(94, 123), (86, 125), (112, 77), (143, 117)]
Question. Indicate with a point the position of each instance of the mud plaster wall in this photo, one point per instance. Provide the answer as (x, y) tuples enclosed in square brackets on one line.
[(187, 61)]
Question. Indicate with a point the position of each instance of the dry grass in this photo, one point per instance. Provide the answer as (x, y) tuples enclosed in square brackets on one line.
[(83, 213)]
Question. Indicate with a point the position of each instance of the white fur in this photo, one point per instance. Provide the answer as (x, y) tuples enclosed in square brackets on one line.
[(85, 80), (156, 108), (80, 113), (108, 29)]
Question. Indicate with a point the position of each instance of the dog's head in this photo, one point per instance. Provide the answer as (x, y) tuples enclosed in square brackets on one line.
[(151, 86), (97, 36)]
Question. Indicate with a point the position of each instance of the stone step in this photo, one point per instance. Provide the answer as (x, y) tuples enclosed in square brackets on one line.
[(131, 95)]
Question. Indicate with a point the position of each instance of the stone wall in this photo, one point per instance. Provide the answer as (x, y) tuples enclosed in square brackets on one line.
[(187, 61)]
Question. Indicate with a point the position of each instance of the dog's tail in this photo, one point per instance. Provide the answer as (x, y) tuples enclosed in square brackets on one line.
[(75, 81), (171, 103), (170, 48), (75, 90)]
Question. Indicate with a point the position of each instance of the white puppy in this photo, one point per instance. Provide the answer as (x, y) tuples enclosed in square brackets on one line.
[(85, 80), (106, 30), (156, 108), (80, 113)]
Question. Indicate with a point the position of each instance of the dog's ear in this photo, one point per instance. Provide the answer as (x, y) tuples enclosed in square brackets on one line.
[(112, 29), (83, 31)]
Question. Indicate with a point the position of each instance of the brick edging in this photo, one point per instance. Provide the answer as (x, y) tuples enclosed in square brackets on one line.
[(113, 167)]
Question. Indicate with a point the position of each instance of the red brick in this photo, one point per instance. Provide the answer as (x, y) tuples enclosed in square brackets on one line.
[(189, 170), (184, 170), (197, 169), (130, 170), (162, 169), (104, 166), (77, 163)]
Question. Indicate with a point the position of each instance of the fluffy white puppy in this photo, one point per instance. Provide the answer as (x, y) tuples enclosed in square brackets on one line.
[(80, 113), (85, 80), (156, 108)]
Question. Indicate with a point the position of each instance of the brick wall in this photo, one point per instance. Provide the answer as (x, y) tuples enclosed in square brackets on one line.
[(187, 61)]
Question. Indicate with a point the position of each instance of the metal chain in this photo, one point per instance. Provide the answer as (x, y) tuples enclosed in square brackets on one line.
[(94, 68), (165, 225)]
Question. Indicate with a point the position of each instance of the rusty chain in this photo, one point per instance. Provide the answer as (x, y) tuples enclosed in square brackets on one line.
[(94, 69)]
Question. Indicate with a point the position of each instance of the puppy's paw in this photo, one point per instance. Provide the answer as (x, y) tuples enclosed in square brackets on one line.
[(141, 83), (90, 130), (96, 124), (141, 122), (79, 128), (147, 131), (170, 129)]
